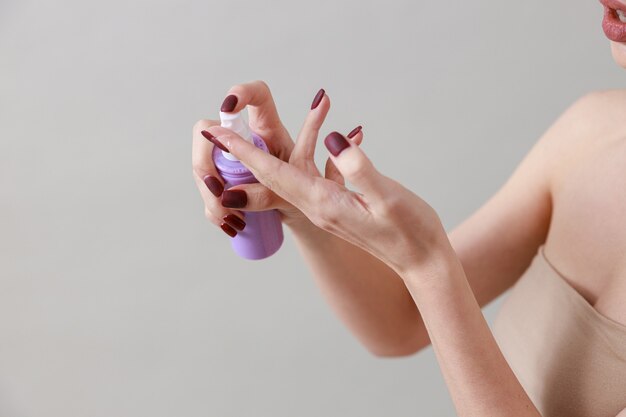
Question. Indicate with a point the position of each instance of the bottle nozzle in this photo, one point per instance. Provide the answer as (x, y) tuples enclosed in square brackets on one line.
[(238, 124)]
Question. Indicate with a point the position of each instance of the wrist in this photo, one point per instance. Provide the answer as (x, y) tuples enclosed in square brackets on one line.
[(438, 267)]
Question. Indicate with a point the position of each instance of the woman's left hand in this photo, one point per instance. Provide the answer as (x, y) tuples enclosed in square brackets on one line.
[(399, 228), (384, 218)]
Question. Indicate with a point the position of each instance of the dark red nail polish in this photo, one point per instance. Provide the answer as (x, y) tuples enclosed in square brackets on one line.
[(234, 222), (214, 140), (229, 103), (214, 185), (336, 143), (234, 198), (318, 98), (228, 230), (355, 132)]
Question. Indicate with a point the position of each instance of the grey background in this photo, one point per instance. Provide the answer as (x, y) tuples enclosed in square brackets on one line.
[(117, 298)]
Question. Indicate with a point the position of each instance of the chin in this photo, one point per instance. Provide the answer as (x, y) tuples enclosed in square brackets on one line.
[(619, 53)]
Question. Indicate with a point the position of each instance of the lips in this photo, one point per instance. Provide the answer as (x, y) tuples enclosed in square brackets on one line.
[(614, 23)]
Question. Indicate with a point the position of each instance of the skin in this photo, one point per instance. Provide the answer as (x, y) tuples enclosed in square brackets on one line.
[(380, 254)]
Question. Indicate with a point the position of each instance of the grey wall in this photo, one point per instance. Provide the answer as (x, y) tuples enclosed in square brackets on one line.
[(117, 298)]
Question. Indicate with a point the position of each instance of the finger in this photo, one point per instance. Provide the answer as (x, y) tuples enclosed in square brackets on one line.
[(356, 135), (209, 182), (262, 109), (258, 96), (257, 197), (307, 138), (331, 172), (218, 214), (288, 181), (355, 166), (264, 119), (201, 155)]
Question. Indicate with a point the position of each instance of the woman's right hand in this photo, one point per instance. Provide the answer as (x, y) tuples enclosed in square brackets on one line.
[(224, 207), (361, 289)]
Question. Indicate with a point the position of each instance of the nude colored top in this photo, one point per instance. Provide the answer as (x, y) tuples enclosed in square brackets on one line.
[(570, 359)]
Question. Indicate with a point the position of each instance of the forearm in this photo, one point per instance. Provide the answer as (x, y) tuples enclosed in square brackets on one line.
[(366, 294), (478, 377)]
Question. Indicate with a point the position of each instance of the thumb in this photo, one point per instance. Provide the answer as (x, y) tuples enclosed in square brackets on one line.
[(330, 171), (355, 166)]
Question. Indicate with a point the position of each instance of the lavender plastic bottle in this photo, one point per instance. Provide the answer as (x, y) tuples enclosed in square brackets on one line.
[(263, 234)]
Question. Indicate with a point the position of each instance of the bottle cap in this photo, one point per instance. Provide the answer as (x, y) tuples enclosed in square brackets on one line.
[(239, 125)]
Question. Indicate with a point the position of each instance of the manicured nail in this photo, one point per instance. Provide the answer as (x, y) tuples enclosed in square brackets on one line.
[(234, 199), (234, 222), (336, 143), (355, 131), (318, 98), (214, 185), (229, 103), (214, 140), (228, 230)]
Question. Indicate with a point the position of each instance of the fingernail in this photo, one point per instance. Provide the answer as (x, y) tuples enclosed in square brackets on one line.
[(234, 198), (228, 230), (234, 221), (229, 103), (214, 185), (336, 143), (214, 140), (318, 98), (355, 131)]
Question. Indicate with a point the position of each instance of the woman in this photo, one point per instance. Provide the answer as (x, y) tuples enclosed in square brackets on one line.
[(556, 229)]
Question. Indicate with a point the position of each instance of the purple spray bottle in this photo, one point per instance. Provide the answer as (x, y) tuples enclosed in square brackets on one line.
[(263, 234)]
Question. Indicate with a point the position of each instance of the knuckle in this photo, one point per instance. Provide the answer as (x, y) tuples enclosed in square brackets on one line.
[(211, 217), (388, 206), (320, 215), (236, 89), (303, 157), (201, 125), (357, 168), (265, 198), (201, 166), (204, 124), (256, 85), (262, 85), (325, 219), (270, 183), (320, 194), (271, 173)]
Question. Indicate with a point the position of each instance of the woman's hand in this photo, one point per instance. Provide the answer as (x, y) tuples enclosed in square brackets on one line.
[(363, 291), (264, 120), (403, 231), (384, 218)]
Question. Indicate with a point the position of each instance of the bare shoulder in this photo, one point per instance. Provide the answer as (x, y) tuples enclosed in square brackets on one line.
[(586, 240), (593, 112), (602, 101), (591, 124)]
